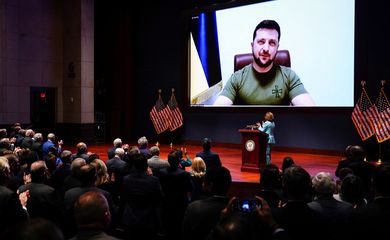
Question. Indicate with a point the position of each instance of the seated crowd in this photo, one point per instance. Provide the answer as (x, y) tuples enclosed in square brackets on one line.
[(136, 194)]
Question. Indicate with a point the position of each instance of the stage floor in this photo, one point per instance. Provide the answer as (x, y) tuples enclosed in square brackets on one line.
[(231, 159)]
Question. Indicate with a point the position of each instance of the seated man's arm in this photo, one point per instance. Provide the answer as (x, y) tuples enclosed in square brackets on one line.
[(303, 99), (222, 100)]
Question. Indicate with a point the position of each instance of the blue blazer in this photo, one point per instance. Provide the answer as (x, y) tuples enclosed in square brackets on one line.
[(268, 127)]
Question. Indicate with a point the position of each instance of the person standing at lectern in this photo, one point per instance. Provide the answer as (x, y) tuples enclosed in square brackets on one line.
[(267, 126)]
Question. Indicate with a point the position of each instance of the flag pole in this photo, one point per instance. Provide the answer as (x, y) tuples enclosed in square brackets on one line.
[(380, 144), (158, 135), (171, 144)]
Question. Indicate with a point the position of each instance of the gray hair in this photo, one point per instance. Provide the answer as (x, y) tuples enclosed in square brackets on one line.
[(323, 183), (155, 151), (117, 142), (142, 141)]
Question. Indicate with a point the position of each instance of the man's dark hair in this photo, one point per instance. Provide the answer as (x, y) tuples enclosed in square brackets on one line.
[(268, 24), (206, 143), (381, 178), (140, 162), (220, 180), (173, 159), (296, 182)]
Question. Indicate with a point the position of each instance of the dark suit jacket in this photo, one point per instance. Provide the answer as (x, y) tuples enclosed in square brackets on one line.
[(111, 152), (43, 201), (141, 196), (202, 215), (11, 210), (211, 159), (371, 221)]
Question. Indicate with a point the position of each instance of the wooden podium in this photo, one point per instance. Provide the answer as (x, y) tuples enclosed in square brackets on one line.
[(253, 143)]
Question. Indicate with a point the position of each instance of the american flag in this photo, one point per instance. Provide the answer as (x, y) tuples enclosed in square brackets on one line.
[(381, 120), (175, 115), (362, 114), (159, 116)]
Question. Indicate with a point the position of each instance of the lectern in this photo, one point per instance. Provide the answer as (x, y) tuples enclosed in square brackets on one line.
[(253, 143)]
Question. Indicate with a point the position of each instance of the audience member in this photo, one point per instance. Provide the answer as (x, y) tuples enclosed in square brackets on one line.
[(143, 146), (43, 201), (210, 158), (184, 161), (81, 151), (117, 143), (87, 177), (287, 162), (251, 224), (271, 185), (11, 210), (198, 171), (93, 216), (177, 187), (117, 169), (372, 221), (155, 162), (34, 229), (51, 138), (202, 215), (334, 212), (295, 216), (37, 144), (28, 139), (73, 180), (141, 200), (352, 191)]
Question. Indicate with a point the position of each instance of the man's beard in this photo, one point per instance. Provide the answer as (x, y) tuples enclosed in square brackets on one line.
[(261, 64)]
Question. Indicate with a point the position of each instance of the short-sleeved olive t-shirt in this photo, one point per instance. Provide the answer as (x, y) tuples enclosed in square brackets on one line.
[(276, 87)]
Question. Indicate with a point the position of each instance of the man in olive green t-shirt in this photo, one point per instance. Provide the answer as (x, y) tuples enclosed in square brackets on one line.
[(263, 82)]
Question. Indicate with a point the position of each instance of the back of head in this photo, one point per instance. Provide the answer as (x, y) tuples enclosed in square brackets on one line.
[(34, 229), (206, 144), (38, 171), (270, 177), (173, 159), (357, 153), (352, 189), (140, 163), (101, 171), (198, 167), (51, 137), (77, 163), (296, 182), (92, 211), (81, 147), (234, 227), (38, 137), (87, 175), (323, 184), (381, 180), (219, 179), (120, 152), (287, 162), (66, 156), (28, 156), (5, 143), (4, 170), (143, 142), (117, 142), (155, 151)]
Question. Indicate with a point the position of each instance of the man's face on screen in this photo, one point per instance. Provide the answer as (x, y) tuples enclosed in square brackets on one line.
[(265, 46)]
